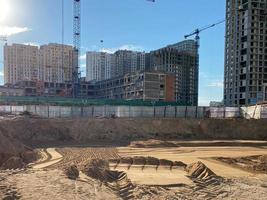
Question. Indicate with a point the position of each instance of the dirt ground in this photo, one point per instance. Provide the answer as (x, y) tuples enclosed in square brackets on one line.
[(141, 173)]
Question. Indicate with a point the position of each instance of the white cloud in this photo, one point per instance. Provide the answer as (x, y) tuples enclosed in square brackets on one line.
[(1, 73), (32, 44), (217, 84), (12, 30), (123, 47), (83, 57)]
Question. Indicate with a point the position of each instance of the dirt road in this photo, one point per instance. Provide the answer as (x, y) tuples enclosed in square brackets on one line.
[(51, 157)]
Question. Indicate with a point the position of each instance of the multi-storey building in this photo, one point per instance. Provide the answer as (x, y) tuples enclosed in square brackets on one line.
[(50, 63), (151, 86), (20, 63), (128, 62), (245, 52), (180, 59), (56, 63), (99, 66)]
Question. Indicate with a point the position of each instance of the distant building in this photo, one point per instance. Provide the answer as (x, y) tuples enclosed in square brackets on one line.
[(11, 91), (245, 52), (47, 63), (216, 104), (128, 62), (265, 92), (151, 86), (102, 66), (56, 63), (181, 60), (99, 65), (20, 63)]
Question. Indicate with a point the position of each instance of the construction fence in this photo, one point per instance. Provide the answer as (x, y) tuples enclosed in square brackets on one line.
[(48, 111)]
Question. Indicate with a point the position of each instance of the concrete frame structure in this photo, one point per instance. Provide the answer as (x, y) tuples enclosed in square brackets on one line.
[(152, 86), (180, 59), (245, 52)]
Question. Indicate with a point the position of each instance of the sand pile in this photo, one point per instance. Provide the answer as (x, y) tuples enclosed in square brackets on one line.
[(96, 168), (143, 161), (199, 171), (256, 163), (152, 144), (13, 163), (13, 154), (262, 164), (72, 172)]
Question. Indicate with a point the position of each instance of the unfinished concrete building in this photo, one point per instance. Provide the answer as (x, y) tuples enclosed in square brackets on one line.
[(184, 66), (245, 52), (152, 86), (128, 62)]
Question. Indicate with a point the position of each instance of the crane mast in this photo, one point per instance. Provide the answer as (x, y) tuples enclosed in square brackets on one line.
[(76, 44)]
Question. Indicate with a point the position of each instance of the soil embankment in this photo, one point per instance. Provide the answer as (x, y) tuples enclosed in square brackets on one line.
[(34, 131), (13, 154), (16, 132)]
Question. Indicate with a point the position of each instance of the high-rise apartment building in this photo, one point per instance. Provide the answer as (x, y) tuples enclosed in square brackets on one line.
[(20, 63), (128, 62), (56, 63), (245, 52), (30, 63), (181, 60), (99, 66)]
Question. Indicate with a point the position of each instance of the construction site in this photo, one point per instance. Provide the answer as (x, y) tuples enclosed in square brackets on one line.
[(135, 135), (132, 158)]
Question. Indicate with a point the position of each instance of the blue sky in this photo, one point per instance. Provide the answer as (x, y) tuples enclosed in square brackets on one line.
[(131, 24)]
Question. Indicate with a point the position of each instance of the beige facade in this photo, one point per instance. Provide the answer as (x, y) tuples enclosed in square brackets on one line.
[(30, 63), (20, 63), (52, 68)]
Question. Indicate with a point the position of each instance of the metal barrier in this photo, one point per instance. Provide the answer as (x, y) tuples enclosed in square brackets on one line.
[(49, 111)]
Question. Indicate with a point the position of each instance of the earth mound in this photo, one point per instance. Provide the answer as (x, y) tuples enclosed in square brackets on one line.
[(13, 163), (72, 172), (256, 163), (199, 171), (96, 168), (13, 154), (152, 144)]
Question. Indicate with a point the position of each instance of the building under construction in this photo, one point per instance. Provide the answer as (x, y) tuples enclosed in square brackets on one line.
[(152, 86), (147, 86), (180, 60)]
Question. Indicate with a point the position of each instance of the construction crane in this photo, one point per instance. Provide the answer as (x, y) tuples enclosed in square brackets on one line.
[(199, 30), (77, 42)]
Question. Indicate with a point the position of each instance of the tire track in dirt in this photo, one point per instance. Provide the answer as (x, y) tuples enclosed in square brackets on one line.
[(52, 157)]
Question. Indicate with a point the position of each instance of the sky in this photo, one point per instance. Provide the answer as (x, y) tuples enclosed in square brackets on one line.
[(123, 24)]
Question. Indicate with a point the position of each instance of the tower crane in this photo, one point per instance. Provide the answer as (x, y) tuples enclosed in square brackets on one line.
[(199, 30), (77, 42)]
